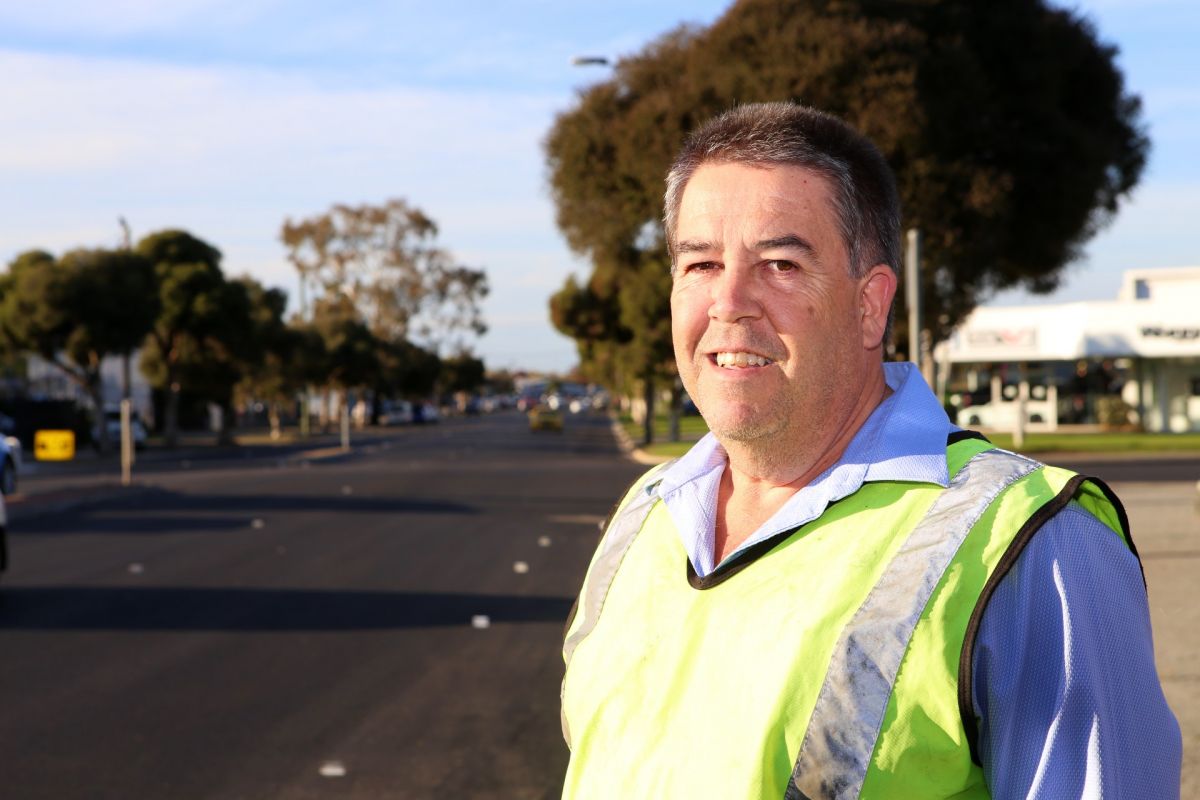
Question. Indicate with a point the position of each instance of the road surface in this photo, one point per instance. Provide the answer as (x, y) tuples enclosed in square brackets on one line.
[(385, 625)]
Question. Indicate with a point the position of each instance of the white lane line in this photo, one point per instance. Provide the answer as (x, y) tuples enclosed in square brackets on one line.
[(576, 519)]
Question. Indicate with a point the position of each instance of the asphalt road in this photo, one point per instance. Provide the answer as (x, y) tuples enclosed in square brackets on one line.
[(237, 630)]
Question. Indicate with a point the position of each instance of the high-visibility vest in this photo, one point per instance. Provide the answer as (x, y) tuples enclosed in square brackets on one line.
[(833, 661)]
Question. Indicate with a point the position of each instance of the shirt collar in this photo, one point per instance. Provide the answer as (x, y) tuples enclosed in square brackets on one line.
[(904, 439)]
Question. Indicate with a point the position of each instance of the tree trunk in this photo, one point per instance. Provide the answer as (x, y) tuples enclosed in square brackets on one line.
[(225, 435), (96, 392), (676, 408), (326, 410), (273, 419), (171, 424), (648, 423)]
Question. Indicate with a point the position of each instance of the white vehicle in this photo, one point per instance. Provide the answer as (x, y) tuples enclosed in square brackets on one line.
[(1002, 415)]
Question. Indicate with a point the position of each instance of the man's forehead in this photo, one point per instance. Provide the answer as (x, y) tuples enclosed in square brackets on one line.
[(772, 199)]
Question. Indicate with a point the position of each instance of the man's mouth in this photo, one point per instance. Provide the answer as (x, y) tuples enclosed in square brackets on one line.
[(739, 360)]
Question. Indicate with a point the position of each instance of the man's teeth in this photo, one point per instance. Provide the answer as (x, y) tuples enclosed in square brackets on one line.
[(735, 360)]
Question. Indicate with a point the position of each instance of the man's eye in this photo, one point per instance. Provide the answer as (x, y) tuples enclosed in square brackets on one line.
[(700, 266), (782, 266)]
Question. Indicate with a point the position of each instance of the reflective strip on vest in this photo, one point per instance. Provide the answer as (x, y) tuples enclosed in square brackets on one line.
[(841, 735), (617, 539)]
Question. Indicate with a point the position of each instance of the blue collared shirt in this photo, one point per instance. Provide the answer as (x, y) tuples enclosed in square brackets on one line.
[(1067, 632)]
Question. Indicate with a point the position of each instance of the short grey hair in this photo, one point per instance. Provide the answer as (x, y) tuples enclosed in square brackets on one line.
[(778, 134)]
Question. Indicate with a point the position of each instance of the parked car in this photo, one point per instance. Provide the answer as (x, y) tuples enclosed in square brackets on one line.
[(10, 464), (112, 427), (396, 412), (1001, 414), (424, 413)]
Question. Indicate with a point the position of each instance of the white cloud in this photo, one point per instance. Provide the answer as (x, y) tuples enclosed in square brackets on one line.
[(228, 153), (123, 17), (66, 114)]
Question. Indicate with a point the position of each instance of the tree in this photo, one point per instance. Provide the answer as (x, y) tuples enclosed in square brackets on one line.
[(75, 311), (352, 349), (273, 374), (406, 369), (1007, 164), (462, 373), (200, 324), (385, 260)]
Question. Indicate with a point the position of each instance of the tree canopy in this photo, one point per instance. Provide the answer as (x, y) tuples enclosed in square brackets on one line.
[(201, 335), (75, 310), (1008, 126), (385, 260)]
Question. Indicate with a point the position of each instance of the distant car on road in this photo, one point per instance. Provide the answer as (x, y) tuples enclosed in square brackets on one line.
[(542, 418)]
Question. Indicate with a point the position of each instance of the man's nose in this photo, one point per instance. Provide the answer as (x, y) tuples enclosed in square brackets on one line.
[(734, 295)]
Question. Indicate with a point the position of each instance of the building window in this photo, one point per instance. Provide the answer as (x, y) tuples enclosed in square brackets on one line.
[(1141, 289)]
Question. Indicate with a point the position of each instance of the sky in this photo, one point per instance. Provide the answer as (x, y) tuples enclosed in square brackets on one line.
[(226, 117)]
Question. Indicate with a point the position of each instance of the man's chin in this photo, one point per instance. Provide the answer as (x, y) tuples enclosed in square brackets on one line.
[(745, 429)]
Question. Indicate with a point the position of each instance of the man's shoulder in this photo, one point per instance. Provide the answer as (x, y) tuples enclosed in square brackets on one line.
[(642, 487)]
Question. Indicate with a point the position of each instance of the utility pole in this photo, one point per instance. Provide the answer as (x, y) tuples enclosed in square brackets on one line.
[(912, 295)]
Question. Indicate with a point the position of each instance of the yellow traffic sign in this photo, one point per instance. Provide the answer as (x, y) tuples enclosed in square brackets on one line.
[(54, 445)]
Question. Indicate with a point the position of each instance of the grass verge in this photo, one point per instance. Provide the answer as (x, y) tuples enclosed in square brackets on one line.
[(1109, 442), (692, 428)]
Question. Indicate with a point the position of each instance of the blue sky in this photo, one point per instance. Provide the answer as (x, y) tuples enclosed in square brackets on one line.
[(226, 116)]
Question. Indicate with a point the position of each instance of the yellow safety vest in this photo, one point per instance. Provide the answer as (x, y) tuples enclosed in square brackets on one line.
[(832, 661)]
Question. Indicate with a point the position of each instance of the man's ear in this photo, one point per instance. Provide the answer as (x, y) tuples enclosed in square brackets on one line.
[(876, 290)]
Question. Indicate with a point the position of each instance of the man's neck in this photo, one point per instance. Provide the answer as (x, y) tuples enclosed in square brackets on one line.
[(759, 480)]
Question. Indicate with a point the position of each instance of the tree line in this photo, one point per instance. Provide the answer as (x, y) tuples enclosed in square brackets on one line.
[(1008, 126), (387, 302)]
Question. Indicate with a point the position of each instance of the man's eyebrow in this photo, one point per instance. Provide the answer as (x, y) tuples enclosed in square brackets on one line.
[(789, 241), (693, 246)]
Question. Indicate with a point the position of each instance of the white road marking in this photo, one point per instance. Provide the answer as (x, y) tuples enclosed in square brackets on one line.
[(576, 519)]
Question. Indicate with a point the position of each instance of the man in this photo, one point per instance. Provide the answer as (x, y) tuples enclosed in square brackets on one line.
[(836, 593)]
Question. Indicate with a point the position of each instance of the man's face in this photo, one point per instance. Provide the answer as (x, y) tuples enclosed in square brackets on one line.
[(770, 331)]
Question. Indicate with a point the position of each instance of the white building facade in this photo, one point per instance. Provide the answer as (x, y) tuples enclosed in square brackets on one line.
[(1144, 346)]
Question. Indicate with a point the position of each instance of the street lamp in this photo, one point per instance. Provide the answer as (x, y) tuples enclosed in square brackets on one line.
[(590, 61)]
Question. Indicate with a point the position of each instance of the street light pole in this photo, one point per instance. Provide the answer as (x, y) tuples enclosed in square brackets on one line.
[(912, 295)]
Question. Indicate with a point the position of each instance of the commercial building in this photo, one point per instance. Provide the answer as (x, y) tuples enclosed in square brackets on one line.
[(1134, 360)]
